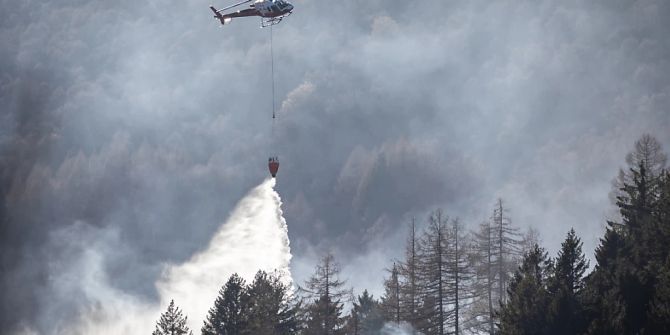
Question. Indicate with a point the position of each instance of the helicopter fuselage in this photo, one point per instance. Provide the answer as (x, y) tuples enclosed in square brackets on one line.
[(272, 11), (269, 8)]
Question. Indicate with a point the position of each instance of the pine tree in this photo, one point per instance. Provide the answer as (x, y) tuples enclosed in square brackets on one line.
[(436, 284), (172, 322), (494, 256), (529, 240), (605, 308), (636, 277), (390, 301), (659, 232), (647, 153), (659, 311), (324, 314), (659, 314), (481, 260), (366, 317), (571, 263), (506, 248), (270, 309), (410, 299), (526, 309), (230, 314), (566, 286), (460, 273), (622, 287)]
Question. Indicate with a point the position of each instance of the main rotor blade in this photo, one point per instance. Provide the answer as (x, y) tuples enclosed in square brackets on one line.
[(235, 5)]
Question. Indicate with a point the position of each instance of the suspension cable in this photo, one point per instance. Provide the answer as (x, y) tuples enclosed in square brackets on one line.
[(272, 59), (272, 62)]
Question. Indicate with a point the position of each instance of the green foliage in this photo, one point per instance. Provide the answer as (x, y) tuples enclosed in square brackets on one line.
[(324, 317), (172, 322), (659, 314), (270, 310), (230, 313), (603, 303), (366, 317), (566, 285), (263, 307), (625, 292), (527, 306), (659, 311)]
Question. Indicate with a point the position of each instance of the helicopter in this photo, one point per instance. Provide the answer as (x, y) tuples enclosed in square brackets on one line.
[(271, 12)]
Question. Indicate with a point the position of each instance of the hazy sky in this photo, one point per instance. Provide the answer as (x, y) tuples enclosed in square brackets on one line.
[(149, 120)]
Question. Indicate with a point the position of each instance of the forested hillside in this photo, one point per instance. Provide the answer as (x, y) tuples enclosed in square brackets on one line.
[(490, 280)]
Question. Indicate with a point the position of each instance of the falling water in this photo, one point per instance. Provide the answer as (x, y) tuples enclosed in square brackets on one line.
[(254, 237)]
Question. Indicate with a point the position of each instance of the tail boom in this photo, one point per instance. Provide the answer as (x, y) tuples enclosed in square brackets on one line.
[(218, 15)]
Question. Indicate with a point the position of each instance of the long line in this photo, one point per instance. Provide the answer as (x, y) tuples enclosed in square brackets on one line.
[(272, 56)]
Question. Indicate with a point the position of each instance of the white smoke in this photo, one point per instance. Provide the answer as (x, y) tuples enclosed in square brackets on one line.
[(254, 237), (403, 328)]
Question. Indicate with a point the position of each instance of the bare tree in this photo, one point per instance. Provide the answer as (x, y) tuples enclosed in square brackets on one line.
[(507, 248), (494, 255), (481, 259), (530, 239), (460, 272), (390, 301), (409, 285), (434, 275), (648, 154), (327, 293)]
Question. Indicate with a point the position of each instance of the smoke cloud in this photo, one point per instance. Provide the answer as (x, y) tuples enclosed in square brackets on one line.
[(133, 128), (403, 328)]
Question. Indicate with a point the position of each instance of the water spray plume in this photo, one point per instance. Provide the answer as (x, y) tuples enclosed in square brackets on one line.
[(254, 237)]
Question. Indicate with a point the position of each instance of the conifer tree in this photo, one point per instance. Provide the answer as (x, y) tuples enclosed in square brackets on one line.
[(506, 248), (410, 297), (659, 314), (566, 286), (494, 256), (571, 263), (481, 259), (622, 287), (172, 322), (636, 275), (460, 273), (366, 317), (270, 309), (659, 311), (434, 272), (529, 240), (525, 310), (647, 153), (327, 291), (605, 308), (230, 314), (390, 301)]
